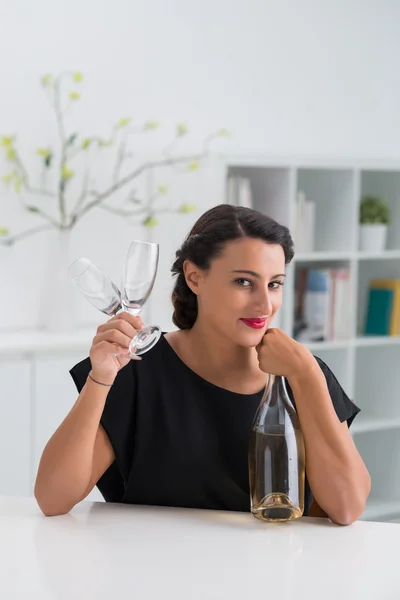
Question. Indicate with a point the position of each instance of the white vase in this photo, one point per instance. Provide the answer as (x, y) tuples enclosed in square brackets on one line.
[(373, 237), (57, 293)]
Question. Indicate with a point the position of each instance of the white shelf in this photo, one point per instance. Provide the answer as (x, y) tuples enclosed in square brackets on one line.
[(333, 345), (332, 256), (368, 425), (359, 342), (387, 255), (261, 159), (367, 341), (327, 256), (380, 510), (29, 342)]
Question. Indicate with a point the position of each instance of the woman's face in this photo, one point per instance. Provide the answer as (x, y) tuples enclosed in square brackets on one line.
[(241, 292)]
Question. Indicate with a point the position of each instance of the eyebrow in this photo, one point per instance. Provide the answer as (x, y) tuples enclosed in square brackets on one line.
[(257, 275)]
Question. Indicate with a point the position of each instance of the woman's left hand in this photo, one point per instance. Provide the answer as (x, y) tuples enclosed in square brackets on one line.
[(279, 354)]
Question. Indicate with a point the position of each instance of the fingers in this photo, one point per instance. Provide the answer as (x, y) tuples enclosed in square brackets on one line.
[(104, 348), (123, 321), (119, 325), (135, 322), (113, 336)]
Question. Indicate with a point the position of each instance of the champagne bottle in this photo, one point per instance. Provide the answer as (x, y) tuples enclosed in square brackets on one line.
[(276, 457)]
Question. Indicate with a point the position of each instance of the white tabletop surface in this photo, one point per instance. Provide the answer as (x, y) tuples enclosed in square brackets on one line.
[(101, 551)]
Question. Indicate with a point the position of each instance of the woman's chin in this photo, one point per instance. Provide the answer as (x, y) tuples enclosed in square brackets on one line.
[(251, 338)]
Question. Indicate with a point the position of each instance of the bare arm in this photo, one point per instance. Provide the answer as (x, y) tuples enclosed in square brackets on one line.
[(338, 478), (76, 456), (79, 452)]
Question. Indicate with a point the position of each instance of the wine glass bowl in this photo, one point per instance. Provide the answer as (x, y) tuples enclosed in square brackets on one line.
[(139, 275), (96, 286)]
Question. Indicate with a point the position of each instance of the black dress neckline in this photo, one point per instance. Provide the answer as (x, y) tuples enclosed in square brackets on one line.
[(205, 382)]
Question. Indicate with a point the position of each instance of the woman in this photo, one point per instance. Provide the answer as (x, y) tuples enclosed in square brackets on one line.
[(172, 429)]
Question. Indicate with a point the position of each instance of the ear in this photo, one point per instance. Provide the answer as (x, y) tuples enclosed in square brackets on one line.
[(192, 275)]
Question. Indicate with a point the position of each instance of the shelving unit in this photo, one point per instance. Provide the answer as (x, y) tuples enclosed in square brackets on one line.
[(367, 367)]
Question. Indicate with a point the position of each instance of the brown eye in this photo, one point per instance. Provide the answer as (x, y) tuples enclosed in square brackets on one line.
[(275, 285), (243, 282)]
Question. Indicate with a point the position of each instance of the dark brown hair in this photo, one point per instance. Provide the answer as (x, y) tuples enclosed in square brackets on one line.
[(206, 241)]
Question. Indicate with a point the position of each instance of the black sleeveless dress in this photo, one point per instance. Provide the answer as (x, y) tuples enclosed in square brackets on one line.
[(178, 439)]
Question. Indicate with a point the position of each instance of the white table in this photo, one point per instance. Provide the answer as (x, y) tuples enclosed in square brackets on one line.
[(99, 551)]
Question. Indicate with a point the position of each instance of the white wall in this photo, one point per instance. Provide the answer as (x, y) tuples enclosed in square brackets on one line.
[(287, 77)]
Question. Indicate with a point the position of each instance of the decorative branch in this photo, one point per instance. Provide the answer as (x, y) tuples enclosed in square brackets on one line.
[(26, 180), (121, 154), (61, 133), (121, 212), (139, 171), (83, 195), (40, 213), (9, 241), (71, 146)]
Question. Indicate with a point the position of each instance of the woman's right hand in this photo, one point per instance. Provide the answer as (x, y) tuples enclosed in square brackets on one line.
[(112, 337)]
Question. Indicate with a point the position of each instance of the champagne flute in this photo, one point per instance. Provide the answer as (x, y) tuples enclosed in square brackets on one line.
[(138, 279), (96, 286)]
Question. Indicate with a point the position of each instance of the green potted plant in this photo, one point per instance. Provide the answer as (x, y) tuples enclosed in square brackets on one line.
[(374, 221)]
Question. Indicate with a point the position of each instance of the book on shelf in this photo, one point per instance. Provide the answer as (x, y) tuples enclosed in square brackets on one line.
[(322, 304), (239, 191), (304, 223), (383, 308)]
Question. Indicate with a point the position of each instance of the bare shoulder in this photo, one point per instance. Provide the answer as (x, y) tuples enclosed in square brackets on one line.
[(176, 339)]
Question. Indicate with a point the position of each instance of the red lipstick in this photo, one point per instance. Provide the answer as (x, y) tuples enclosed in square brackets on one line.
[(255, 323)]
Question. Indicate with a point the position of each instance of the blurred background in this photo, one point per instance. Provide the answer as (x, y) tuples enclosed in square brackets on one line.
[(127, 120)]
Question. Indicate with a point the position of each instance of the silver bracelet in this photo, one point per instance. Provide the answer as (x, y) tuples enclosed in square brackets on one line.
[(99, 382)]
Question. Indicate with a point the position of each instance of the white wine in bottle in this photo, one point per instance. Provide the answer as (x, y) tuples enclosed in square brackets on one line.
[(276, 457)]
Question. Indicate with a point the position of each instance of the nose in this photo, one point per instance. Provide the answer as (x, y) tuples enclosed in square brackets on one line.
[(265, 302)]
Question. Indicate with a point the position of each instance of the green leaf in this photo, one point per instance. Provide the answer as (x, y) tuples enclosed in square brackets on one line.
[(151, 125), (7, 179), (105, 143), (150, 222), (71, 139), (47, 80), (17, 184), (4, 231), (193, 166), (187, 208), (163, 189), (374, 210), (124, 122), (77, 77), (86, 143), (224, 133), (66, 172), (33, 209), (7, 141), (43, 152), (74, 95), (11, 154), (181, 129)]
